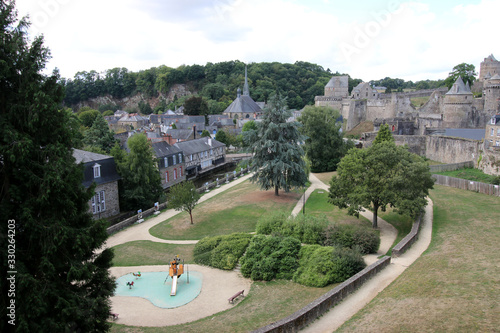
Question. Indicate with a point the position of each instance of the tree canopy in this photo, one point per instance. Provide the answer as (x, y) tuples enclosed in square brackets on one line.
[(278, 160), (99, 135), (141, 183), (62, 282), (324, 144), (184, 197), (383, 174), (466, 71)]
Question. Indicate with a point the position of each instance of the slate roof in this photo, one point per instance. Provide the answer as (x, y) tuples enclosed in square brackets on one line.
[(163, 149), (89, 159), (180, 134), (243, 104), (459, 88), (198, 145), (495, 77), (341, 79)]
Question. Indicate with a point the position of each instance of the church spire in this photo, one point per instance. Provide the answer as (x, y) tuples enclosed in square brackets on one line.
[(246, 90)]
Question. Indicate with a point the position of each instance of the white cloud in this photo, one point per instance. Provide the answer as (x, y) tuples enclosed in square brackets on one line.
[(415, 42)]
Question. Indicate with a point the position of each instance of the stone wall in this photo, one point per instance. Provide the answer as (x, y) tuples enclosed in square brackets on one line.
[(111, 198), (451, 150), (489, 160)]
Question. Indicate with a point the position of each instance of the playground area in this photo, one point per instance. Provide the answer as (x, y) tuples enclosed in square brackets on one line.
[(217, 286)]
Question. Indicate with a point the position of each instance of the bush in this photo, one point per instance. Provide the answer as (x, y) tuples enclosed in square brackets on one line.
[(308, 229), (270, 257), (351, 236), (221, 252), (320, 266)]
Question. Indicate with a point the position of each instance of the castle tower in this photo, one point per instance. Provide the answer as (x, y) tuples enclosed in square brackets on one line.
[(457, 105), (491, 95), (489, 66), (338, 86)]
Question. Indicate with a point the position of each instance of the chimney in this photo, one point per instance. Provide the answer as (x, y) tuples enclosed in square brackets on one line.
[(210, 142), (194, 132)]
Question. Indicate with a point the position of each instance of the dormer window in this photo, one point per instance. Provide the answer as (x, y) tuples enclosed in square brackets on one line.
[(165, 160), (174, 158), (180, 158), (97, 170), (493, 121)]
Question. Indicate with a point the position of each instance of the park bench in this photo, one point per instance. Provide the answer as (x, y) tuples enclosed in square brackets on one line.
[(231, 299)]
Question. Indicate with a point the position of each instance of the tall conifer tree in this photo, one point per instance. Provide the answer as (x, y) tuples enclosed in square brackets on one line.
[(61, 283), (278, 161)]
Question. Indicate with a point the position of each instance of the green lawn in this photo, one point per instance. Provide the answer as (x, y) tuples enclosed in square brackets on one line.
[(455, 285), (402, 223), (472, 174), (140, 253), (235, 210), (325, 177), (317, 204)]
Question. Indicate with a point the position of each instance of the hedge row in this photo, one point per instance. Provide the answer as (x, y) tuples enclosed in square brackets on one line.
[(221, 252), (318, 230)]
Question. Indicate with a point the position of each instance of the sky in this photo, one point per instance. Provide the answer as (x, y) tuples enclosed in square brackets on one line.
[(367, 39)]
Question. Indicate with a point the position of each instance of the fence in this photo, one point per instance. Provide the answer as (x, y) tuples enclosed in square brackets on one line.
[(468, 185), (451, 167), (131, 220)]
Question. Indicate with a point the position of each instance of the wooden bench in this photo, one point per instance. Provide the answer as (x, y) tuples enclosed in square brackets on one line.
[(114, 315), (231, 299)]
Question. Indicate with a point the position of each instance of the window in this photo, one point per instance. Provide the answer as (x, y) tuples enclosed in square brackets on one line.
[(97, 170), (492, 132), (493, 121), (211, 152), (180, 172), (191, 157), (165, 159), (497, 143), (498, 132), (174, 158), (180, 158), (175, 173), (166, 176), (98, 202)]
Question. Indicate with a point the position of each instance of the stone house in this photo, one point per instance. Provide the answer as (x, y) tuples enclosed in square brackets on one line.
[(171, 165), (101, 170), (492, 134), (132, 121), (202, 155), (489, 161)]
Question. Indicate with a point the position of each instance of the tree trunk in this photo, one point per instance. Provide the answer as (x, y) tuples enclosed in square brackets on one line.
[(191, 215), (276, 190), (375, 216)]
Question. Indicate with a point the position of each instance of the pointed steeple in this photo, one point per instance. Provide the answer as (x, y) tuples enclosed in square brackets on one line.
[(246, 90)]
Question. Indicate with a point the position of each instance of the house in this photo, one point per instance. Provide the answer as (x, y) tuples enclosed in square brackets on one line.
[(133, 121), (179, 135), (492, 134), (202, 155), (101, 170), (171, 164)]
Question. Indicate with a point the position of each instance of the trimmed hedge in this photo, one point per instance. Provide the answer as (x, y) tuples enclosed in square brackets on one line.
[(221, 252), (270, 257), (365, 239), (320, 266)]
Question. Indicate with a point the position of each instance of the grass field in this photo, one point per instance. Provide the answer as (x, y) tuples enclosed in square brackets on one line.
[(471, 174), (235, 210), (419, 101), (140, 253), (455, 285)]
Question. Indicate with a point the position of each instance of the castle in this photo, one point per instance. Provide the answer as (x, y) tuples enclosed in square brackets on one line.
[(453, 108)]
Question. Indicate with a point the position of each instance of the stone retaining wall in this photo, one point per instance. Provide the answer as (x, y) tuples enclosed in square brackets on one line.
[(451, 167), (409, 239)]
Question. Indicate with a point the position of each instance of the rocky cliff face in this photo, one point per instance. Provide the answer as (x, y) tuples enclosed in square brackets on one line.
[(132, 102)]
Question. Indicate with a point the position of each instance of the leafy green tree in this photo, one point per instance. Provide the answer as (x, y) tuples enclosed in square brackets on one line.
[(384, 174), (384, 135), (205, 133), (324, 145), (87, 116), (277, 162), (62, 281), (466, 71), (99, 135), (184, 197), (141, 182), (144, 107), (195, 106), (221, 136)]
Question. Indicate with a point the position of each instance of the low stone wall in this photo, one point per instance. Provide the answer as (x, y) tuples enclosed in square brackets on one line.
[(131, 220), (409, 239), (313, 310)]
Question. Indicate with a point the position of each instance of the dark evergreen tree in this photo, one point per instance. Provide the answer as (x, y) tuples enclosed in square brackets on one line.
[(99, 135), (278, 161), (62, 282), (141, 183), (384, 135)]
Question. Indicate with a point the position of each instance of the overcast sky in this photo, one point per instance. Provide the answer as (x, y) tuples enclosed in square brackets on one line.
[(369, 40)]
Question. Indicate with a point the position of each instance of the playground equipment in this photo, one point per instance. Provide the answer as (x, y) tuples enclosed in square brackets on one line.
[(137, 275), (130, 284), (175, 271)]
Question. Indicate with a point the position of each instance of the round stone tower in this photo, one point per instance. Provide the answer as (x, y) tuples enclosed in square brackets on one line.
[(491, 93), (457, 105), (489, 67)]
